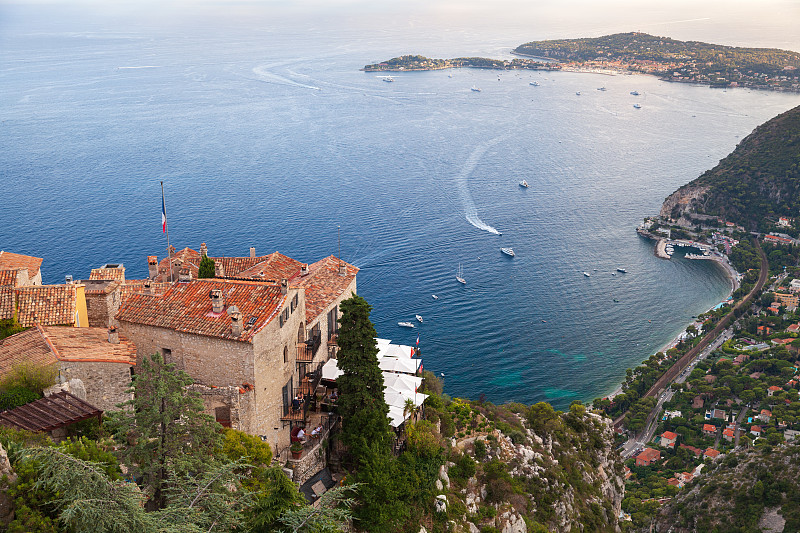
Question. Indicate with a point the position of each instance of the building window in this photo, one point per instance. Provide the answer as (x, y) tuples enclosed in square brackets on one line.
[(223, 416), (285, 354), (167, 353), (294, 303)]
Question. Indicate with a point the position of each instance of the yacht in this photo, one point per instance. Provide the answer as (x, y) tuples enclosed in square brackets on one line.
[(578, 93), (508, 251), (388, 79), (476, 89), (587, 274), (622, 270), (405, 324), (635, 93), (601, 88), (460, 275), (419, 318), (435, 297), (524, 183), (535, 83), (637, 106)]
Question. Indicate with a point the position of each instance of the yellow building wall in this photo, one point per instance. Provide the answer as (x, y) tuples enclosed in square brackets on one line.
[(81, 314)]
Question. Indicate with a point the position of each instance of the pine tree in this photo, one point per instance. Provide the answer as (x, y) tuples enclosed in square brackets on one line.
[(361, 404), (206, 269), (166, 429)]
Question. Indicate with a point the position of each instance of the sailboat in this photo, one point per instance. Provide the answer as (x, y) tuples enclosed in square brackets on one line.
[(460, 275)]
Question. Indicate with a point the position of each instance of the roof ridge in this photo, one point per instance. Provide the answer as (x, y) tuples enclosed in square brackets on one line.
[(46, 338)]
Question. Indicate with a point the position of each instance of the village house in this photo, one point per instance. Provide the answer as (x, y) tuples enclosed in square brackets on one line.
[(100, 358), (27, 267), (252, 337), (765, 415), (46, 305), (755, 430), (711, 453), (668, 439), (709, 430), (647, 457), (729, 434), (793, 328), (773, 389), (696, 451), (787, 299)]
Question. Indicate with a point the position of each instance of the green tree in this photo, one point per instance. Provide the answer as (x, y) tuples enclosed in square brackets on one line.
[(361, 404), (165, 429), (206, 269)]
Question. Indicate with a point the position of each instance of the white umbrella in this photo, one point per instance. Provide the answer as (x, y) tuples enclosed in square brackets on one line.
[(398, 350), (401, 382), (382, 342), (330, 370), (396, 416), (394, 364), (396, 398)]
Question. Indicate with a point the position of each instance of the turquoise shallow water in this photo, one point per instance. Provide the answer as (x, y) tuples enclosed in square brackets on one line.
[(273, 138)]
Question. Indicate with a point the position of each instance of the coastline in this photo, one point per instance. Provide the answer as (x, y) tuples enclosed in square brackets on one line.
[(733, 278)]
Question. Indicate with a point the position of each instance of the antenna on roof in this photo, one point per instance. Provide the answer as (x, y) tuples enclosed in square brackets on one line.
[(339, 237)]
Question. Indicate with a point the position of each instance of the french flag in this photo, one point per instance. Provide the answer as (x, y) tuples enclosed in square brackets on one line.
[(163, 213)]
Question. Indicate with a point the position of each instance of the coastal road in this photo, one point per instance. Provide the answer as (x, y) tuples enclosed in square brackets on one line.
[(688, 358)]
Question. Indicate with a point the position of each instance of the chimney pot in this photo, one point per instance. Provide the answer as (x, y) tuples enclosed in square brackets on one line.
[(342, 269), (284, 286), (236, 320), (252, 251), (217, 300), (304, 269), (113, 335), (185, 274), (219, 269), (68, 279), (203, 249)]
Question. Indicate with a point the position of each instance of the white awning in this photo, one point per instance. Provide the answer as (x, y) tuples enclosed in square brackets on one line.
[(396, 416), (382, 342), (401, 382), (396, 364), (395, 350), (330, 371), (398, 398)]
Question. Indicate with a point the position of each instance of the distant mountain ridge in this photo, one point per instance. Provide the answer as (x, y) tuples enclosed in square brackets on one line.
[(755, 184)]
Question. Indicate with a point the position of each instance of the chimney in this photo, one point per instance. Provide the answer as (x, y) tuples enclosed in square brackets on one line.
[(68, 279), (236, 320), (284, 286), (304, 269), (148, 287), (113, 335), (203, 249), (185, 274), (342, 269), (252, 251), (217, 300), (219, 270)]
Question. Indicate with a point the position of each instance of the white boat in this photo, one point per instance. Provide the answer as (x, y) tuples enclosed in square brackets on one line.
[(460, 275), (578, 93), (435, 297), (622, 270), (388, 79), (473, 88), (535, 83), (405, 324), (587, 274), (524, 183), (419, 318), (601, 88), (508, 251), (637, 106), (635, 93)]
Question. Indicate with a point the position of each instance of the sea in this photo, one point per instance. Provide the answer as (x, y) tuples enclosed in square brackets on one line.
[(265, 133)]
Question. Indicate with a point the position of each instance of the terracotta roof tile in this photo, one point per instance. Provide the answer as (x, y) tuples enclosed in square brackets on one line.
[(88, 345), (186, 307), (6, 302), (323, 285), (8, 277), (46, 304), (116, 274), (10, 261), (25, 347), (275, 267), (669, 435), (46, 414)]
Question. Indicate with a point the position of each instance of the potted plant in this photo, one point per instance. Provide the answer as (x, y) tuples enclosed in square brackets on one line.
[(297, 450)]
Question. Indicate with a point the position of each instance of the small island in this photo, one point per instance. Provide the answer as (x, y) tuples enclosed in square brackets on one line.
[(714, 65)]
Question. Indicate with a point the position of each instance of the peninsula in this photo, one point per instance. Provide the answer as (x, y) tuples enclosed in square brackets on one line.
[(697, 62)]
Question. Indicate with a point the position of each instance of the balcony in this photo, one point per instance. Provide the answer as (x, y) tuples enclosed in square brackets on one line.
[(304, 353)]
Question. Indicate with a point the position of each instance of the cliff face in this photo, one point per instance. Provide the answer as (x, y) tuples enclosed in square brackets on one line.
[(755, 184), (551, 472), (750, 490)]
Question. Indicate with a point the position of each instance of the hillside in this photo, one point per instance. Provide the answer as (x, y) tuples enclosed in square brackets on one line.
[(755, 184), (749, 490)]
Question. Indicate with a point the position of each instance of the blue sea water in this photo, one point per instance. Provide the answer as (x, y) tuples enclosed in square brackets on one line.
[(270, 136)]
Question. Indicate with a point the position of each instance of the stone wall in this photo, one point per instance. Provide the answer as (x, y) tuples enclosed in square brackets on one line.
[(106, 383), (312, 461), (322, 320), (101, 307), (236, 400)]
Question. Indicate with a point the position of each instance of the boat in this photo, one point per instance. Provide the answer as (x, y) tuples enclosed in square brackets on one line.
[(405, 324), (435, 297), (388, 79), (616, 301), (524, 183), (473, 88), (635, 93), (460, 275), (587, 274), (508, 251), (637, 106), (601, 88), (578, 93), (622, 270), (419, 318), (535, 83)]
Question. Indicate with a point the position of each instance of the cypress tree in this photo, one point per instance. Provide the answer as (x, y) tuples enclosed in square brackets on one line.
[(365, 423), (206, 269)]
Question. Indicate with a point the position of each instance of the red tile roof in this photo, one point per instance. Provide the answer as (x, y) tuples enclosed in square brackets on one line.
[(709, 427), (711, 452), (669, 435), (775, 388), (9, 261), (46, 304), (275, 267), (728, 433), (6, 300), (186, 307), (755, 429), (8, 278), (649, 455), (25, 347), (324, 284), (697, 451), (116, 274)]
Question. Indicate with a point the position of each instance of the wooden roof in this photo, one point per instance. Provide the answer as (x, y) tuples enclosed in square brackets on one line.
[(47, 414)]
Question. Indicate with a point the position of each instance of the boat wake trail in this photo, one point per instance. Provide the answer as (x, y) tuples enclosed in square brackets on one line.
[(265, 74), (470, 211)]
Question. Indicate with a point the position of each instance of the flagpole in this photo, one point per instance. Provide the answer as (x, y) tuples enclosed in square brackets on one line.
[(166, 229)]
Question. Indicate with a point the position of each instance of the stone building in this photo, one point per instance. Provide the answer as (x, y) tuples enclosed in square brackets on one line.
[(100, 358), (31, 266), (46, 305)]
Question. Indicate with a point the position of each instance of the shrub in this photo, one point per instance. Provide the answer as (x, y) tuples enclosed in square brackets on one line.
[(480, 449), (16, 396), (30, 376)]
